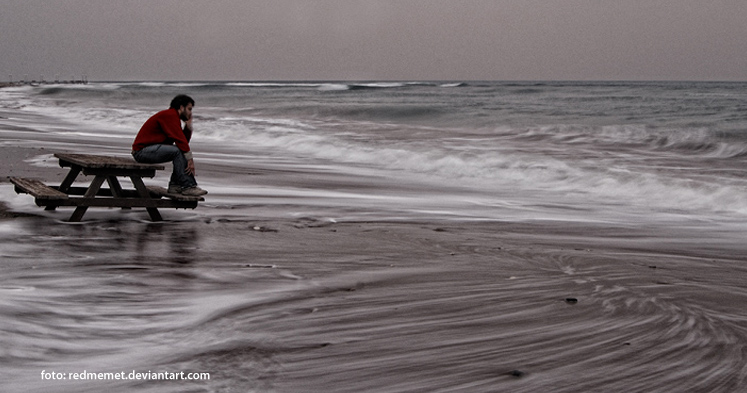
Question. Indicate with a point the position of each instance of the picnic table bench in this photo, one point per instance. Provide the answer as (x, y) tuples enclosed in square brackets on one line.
[(104, 169)]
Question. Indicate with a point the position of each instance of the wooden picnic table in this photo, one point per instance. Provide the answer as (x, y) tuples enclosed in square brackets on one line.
[(104, 169)]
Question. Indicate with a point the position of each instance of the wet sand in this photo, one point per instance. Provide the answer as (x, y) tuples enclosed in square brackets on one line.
[(274, 303)]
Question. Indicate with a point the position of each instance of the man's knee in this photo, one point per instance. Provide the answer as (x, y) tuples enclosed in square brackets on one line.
[(157, 154)]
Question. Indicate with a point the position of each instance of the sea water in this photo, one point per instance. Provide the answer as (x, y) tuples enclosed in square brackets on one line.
[(477, 150), (657, 167)]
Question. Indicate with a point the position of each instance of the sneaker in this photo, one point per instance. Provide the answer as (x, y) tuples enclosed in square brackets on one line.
[(193, 191), (174, 189)]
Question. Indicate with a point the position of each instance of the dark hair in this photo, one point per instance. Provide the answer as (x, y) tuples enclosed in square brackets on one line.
[(180, 101)]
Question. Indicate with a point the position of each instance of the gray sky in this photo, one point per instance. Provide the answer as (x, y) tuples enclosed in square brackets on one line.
[(374, 39)]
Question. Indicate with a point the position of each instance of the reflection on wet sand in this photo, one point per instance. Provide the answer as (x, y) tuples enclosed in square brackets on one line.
[(176, 245)]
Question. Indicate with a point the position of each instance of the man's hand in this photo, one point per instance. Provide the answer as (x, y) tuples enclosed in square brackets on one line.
[(188, 129), (190, 167)]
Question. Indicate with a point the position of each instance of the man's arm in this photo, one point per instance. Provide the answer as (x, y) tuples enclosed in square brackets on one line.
[(188, 129), (171, 125), (188, 134)]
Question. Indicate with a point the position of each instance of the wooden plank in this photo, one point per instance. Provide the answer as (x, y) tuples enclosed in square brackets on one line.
[(114, 186), (162, 192), (70, 178), (123, 202), (146, 172), (37, 189), (66, 183), (103, 192), (92, 161), (90, 195), (145, 195)]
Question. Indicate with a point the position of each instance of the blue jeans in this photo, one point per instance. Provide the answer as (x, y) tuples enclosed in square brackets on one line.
[(156, 154)]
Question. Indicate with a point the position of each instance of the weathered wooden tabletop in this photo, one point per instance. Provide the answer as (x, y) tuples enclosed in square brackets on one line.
[(99, 162)]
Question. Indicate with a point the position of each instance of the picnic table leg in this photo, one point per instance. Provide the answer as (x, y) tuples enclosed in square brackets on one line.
[(67, 182), (137, 181), (115, 188), (90, 193)]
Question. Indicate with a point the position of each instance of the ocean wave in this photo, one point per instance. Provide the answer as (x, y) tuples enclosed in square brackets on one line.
[(333, 87), (339, 86), (700, 141), (397, 85), (148, 84), (51, 88), (503, 166), (61, 87), (319, 86), (375, 85), (456, 84), (272, 84)]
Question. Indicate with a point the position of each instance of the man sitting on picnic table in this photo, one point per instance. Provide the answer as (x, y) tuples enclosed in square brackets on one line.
[(162, 139)]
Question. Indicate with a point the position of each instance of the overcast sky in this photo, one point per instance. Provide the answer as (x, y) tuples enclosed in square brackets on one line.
[(374, 39)]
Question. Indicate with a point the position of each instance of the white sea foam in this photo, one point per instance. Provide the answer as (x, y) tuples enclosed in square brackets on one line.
[(333, 87), (44, 161), (272, 84), (381, 84)]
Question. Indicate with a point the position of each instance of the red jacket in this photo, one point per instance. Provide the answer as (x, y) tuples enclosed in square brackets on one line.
[(164, 127)]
